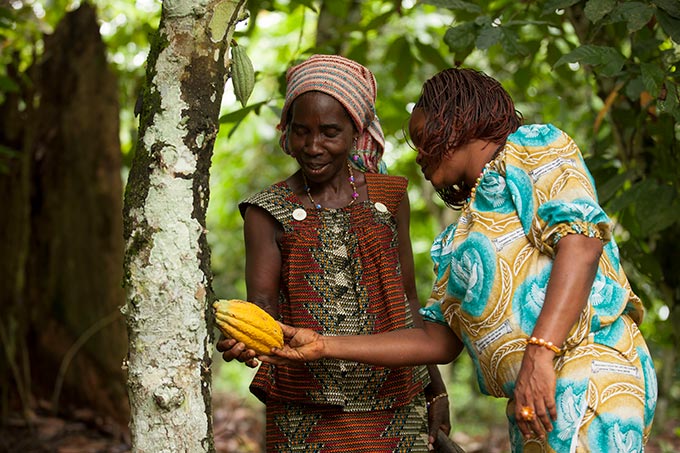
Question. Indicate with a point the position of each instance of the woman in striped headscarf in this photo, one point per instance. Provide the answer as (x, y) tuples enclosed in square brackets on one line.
[(328, 249)]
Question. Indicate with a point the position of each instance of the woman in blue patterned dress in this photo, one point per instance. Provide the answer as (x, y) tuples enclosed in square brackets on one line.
[(528, 279)]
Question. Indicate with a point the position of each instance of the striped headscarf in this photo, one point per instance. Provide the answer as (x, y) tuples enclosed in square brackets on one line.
[(351, 84)]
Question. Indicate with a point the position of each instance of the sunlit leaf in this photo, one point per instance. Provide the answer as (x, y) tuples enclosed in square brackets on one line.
[(607, 58), (552, 5)]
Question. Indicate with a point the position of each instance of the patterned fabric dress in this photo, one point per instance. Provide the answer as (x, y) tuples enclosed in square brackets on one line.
[(341, 276), (492, 273)]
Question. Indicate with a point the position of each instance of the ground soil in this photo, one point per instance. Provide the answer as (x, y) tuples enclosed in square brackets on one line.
[(238, 428)]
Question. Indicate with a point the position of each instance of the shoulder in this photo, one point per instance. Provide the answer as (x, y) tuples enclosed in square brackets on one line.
[(267, 199), (536, 145), (536, 135), (382, 180)]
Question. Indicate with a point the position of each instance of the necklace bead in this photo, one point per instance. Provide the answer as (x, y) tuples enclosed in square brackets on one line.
[(488, 166), (355, 193)]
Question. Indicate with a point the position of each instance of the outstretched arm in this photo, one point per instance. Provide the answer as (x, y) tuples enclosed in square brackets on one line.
[(434, 343)]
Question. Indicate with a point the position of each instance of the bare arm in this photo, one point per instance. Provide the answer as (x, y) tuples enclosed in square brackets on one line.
[(571, 280), (263, 259), (432, 344), (438, 412), (263, 269)]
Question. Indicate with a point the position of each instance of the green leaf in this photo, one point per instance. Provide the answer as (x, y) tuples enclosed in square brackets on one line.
[(650, 197), (511, 43), (400, 50), (670, 104), (431, 55), (454, 5), (8, 85), (607, 58), (311, 4), (670, 25), (237, 116), (460, 37), (652, 78), (10, 153), (635, 14), (672, 7), (488, 36), (554, 5), (612, 185), (595, 10)]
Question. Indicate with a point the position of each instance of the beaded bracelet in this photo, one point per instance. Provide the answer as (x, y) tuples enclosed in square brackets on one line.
[(437, 397), (545, 344)]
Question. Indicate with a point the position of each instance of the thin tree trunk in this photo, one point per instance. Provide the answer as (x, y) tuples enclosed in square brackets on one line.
[(167, 260)]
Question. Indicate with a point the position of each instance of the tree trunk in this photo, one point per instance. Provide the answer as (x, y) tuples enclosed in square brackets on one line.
[(167, 260), (62, 280)]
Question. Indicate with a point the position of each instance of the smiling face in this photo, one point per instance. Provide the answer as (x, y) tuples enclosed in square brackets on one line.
[(321, 135)]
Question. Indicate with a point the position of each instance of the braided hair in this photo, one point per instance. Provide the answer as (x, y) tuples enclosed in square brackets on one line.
[(461, 105)]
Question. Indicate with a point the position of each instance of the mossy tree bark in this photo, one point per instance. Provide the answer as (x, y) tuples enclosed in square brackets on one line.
[(167, 260)]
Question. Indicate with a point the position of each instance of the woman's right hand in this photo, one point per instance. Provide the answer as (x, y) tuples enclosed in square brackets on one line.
[(232, 349), (300, 345)]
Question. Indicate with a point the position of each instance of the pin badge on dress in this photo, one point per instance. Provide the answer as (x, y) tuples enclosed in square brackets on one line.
[(299, 214), (380, 207)]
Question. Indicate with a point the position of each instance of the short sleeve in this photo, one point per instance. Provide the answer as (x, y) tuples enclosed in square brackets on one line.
[(433, 313), (441, 255), (553, 188)]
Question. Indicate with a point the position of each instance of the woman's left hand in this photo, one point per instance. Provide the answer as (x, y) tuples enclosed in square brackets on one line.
[(438, 417), (534, 394)]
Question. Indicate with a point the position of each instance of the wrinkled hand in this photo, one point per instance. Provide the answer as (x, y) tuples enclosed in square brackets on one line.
[(232, 349), (535, 389), (438, 417), (300, 345)]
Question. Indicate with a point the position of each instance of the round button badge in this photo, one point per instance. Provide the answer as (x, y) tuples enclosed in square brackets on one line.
[(299, 214), (380, 207)]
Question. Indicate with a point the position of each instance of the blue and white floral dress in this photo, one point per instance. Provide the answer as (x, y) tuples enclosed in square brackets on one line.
[(492, 269)]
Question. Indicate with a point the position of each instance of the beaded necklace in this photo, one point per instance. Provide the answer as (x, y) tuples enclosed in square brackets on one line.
[(355, 194), (488, 166)]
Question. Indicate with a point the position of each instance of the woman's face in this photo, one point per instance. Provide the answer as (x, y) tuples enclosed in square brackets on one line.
[(441, 172), (321, 135)]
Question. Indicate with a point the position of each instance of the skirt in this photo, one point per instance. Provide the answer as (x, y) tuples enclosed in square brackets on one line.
[(293, 427)]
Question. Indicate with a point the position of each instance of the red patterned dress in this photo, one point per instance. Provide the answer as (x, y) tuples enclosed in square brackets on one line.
[(341, 275)]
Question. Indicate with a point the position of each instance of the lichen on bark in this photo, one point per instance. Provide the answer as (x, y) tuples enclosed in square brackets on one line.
[(168, 278)]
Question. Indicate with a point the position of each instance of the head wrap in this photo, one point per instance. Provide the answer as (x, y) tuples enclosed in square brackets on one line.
[(351, 84)]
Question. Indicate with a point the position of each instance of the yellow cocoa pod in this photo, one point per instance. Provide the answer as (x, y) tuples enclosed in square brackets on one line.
[(246, 322), (242, 73)]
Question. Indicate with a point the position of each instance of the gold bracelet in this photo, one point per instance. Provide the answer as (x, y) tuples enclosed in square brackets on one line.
[(437, 397), (545, 344)]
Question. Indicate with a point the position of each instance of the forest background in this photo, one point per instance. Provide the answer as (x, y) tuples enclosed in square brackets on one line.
[(71, 82)]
